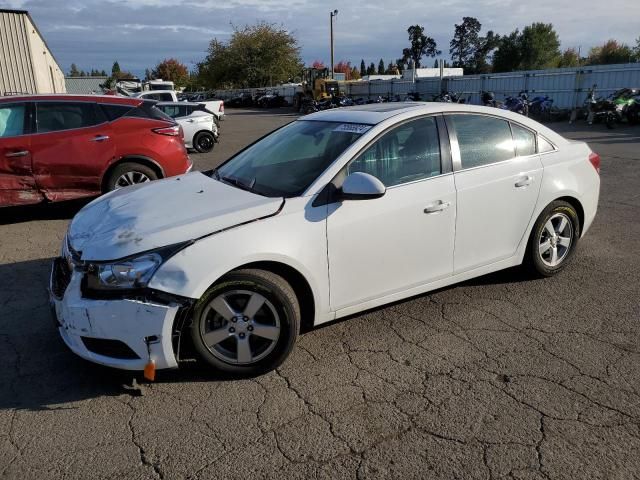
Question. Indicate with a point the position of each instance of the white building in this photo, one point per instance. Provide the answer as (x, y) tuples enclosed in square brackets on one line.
[(26, 63), (408, 74)]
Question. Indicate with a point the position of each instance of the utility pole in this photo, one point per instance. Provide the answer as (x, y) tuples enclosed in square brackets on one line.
[(331, 16)]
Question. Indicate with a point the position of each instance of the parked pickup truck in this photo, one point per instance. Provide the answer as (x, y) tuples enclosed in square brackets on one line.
[(214, 106)]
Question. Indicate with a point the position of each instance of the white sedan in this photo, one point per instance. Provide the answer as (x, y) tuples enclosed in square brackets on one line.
[(337, 212)]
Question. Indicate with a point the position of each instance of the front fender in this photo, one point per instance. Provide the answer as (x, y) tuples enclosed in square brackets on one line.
[(282, 238)]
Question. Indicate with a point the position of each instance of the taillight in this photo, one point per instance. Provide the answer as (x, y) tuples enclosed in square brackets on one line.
[(594, 158), (172, 131), (221, 107)]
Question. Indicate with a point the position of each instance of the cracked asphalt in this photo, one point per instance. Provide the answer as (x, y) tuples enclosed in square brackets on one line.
[(500, 377)]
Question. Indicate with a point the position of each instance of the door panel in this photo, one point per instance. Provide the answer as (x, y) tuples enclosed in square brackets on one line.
[(17, 184), (70, 156), (382, 246), (496, 195), (403, 239)]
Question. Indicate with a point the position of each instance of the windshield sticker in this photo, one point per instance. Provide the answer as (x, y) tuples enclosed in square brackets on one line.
[(352, 128)]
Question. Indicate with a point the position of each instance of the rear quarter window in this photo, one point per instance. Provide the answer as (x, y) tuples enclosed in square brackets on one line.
[(113, 112)]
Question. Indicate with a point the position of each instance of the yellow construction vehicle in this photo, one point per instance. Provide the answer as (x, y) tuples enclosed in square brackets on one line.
[(317, 85)]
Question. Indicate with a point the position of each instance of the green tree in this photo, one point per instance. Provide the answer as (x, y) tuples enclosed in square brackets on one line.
[(464, 43), (540, 47), (508, 56), (421, 45), (73, 71), (255, 56), (371, 69), (172, 70), (115, 69), (469, 50), (537, 47), (381, 68), (355, 74), (610, 52), (570, 58), (363, 68)]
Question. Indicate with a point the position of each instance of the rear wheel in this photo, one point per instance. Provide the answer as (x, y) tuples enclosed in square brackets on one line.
[(203, 142), (129, 173), (247, 323), (553, 239)]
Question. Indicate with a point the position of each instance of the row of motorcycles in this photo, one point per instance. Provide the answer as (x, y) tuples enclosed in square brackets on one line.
[(620, 105)]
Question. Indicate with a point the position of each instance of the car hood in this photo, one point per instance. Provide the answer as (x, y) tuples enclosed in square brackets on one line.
[(164, 212)]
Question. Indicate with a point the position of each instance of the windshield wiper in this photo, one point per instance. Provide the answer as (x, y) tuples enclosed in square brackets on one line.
[(237, 182)]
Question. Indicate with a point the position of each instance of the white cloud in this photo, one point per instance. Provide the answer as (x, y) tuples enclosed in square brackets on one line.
[(93, 33)]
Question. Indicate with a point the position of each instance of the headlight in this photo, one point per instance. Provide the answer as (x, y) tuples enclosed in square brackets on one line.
[(131, 273), (134, 273)]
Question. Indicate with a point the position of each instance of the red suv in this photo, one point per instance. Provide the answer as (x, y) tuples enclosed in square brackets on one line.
[(59, 147)]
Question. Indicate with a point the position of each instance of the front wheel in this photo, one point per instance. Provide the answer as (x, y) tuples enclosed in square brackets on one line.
[(553, 239), (247, 323)]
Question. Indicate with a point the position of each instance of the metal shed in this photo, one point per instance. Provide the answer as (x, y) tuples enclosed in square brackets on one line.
[(26, 62)]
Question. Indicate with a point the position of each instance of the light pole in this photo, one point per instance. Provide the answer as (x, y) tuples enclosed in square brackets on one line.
[(331, 15)]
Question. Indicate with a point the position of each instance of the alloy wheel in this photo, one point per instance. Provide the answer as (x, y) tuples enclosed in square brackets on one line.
[(555, 240), (240, 327), (131, 178)]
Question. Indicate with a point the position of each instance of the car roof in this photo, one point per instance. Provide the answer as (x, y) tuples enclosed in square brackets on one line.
[(113, 99), (375, 113), (178, 104)]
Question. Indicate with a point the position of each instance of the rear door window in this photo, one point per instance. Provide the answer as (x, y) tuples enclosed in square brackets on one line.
[(12, 119), (56, 116), (482, 139)]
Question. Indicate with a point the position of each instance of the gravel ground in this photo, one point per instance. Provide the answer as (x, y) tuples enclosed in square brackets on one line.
[(500, 377)]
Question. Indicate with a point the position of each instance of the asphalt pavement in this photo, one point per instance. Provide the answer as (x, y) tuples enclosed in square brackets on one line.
[(503, 376)]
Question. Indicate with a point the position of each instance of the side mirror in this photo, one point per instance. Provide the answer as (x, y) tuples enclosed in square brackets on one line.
[(361, 186)]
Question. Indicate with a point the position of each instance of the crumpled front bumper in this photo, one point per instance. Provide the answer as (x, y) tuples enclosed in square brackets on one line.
[(97, 329)]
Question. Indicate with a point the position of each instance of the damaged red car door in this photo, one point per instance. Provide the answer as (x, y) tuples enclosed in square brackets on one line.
[(17, 182), (71, 149)]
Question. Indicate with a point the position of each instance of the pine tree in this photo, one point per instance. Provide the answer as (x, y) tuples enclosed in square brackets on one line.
[(381, 67), (363, 68)]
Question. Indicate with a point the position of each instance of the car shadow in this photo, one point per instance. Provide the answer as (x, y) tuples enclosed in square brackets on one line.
[(42, 211), (41, 373)]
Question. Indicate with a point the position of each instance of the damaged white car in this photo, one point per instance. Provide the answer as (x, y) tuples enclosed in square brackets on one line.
[(338, 212)]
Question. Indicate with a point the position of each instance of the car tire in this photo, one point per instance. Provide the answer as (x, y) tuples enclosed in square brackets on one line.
[(204, 142), (129, 173), (227, 317), (549, 253)]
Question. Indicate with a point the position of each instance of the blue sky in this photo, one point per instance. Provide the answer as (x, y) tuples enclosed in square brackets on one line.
[(139, 33)]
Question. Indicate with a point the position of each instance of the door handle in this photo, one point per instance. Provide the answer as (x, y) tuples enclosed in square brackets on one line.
[(524, 182), (191, 120), (437, 207), (22, 153), (100, 138)]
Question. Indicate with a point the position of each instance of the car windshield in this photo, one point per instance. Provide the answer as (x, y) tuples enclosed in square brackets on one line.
[(286, 162)]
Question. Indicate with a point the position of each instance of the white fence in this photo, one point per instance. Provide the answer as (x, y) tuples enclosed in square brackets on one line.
[(567, 87)]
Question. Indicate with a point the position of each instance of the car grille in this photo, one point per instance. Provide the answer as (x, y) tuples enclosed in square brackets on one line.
[(60, 277), (109, 348)]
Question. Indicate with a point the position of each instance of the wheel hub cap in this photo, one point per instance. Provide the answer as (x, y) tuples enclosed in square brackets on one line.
[(240, 327), (555, 240)]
